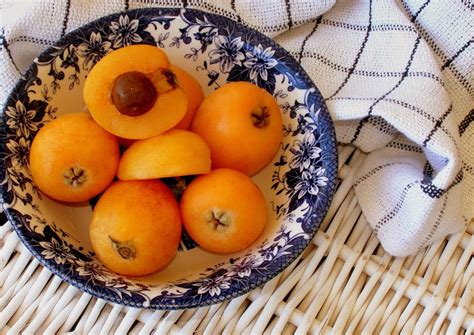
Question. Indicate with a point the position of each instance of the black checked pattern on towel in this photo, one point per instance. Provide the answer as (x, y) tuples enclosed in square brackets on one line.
[(316, 24), (435, 225), (439, 52), (398, 206), (31, 39), (359, 53), (66, 17), (437, 125), (437, 122), (466, 122), (340, 78), (232, 6), (375, 27), (371, 108), (377, 169), (288, 11), (404, 104), (4, 46), (456, 55), (413, 18), (422, 31), (405, 147), (371, 73), (468, 168), (428, 170)]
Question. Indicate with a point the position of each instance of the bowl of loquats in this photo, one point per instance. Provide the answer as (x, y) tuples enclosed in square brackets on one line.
[(166, 158)]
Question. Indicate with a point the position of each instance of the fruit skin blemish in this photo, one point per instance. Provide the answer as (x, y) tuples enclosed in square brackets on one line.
[(136, 227)]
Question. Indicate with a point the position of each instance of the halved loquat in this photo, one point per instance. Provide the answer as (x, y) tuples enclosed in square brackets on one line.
[(72, 158), (171, 154), (242, 125), (132, 93), (223, 211), (136, 227)]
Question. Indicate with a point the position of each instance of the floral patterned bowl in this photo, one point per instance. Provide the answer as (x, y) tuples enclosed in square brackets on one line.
[(298, 185)]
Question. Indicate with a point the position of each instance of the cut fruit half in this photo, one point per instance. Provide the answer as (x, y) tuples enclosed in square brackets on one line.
[(132, 93), (172, 154)]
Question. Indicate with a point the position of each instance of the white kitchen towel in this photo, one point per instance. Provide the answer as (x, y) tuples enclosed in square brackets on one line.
[(396, 75)]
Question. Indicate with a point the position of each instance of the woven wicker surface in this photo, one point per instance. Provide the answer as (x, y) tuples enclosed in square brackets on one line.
[(343, 283)]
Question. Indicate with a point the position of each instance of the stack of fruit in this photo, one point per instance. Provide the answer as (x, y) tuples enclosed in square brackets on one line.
[(158, 111)]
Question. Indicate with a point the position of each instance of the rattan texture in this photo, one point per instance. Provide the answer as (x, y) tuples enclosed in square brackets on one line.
[(344, 283)]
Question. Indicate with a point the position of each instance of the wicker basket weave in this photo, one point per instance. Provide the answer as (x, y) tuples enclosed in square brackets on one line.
[(343, 283)]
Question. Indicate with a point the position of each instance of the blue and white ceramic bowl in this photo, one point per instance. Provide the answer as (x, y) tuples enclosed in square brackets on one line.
[(298, 184)]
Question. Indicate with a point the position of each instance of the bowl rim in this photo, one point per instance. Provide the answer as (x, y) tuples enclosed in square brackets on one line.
[(95, 290)]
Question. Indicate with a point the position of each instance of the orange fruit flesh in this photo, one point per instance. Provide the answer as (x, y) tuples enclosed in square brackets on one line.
[(169, 108)]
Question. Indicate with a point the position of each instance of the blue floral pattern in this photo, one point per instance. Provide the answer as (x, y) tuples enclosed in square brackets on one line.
[(302, 178), (260, 61), (124, 32), (93, 50), (228, 53)]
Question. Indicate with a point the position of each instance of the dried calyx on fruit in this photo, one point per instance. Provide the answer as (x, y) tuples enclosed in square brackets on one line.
[(218, 220), (124, 249), (223, 211), (75, 176), (164, 80), (260, 117)]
